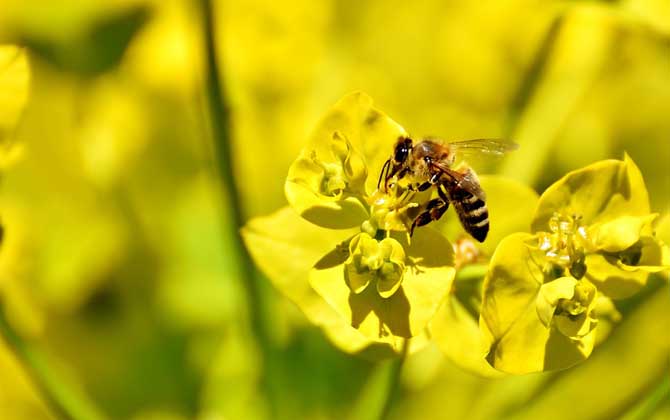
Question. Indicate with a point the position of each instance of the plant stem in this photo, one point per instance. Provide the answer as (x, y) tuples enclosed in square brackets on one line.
[(378, 394), (63, 397), (471, 272), (220, 122), (648, 406), (394, 382)]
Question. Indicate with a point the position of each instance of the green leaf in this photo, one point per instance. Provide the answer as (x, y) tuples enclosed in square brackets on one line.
[(328, 182), (599, 192), (14, 80), (99, 49), (404, 314), (518, 340)]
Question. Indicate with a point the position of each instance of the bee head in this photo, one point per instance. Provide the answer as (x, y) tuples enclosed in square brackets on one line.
[(397, 161), (402, 149)]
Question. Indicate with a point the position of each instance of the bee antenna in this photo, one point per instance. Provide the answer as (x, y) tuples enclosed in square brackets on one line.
[(383, 173)]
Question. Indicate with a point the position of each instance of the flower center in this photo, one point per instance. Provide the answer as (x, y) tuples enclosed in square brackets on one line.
[(371, 260), (574, 317), (334, 180), (392, 210), (564, 245)]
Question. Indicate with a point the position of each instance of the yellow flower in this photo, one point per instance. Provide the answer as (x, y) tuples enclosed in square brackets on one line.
[(455, 327), (569, 303), (14, 81), (345, 258), (592, 241), (381, 262)]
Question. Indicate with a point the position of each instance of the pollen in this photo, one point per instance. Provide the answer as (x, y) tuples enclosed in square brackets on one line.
[(392, 210), (565, 244)]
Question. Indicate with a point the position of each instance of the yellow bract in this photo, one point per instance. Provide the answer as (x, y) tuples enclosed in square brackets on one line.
[(516, 310), (353, 270), (597, 193), (455, 327), (370, 260), (405, 313), (570, 304), (593, 240), (14, 79), (325, 187)]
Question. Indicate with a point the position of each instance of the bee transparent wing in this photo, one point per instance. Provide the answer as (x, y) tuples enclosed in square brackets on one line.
[(496, 147)]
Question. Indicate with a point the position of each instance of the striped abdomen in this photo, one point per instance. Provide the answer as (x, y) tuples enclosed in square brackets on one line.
[(471, 210)]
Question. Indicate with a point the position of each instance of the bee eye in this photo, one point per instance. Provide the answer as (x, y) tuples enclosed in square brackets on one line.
[(401, 153), (427, 159)]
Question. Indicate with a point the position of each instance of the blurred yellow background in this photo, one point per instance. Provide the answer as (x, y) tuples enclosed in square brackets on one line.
[(117, 258)]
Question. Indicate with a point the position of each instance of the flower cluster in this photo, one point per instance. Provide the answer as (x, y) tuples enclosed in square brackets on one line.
[(529, 299), (592, 241), (366, 282)]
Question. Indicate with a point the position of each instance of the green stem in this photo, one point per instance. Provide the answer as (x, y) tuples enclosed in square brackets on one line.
[(380, 391), (471, 272), (648, 406), (394, 382), (219, 119), (63, 397)]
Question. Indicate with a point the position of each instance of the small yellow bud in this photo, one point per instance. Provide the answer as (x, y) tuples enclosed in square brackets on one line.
[(370, 260)]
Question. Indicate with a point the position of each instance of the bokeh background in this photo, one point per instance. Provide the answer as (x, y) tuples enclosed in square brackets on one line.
[(118, 267)]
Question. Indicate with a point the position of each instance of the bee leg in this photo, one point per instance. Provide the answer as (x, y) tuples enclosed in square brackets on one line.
[(434, 179), (424, 186), (434, 210), (383, 175), (442, 192)]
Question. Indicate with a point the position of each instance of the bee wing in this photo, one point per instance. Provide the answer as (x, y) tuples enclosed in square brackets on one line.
[(467, 180), (496, 147)]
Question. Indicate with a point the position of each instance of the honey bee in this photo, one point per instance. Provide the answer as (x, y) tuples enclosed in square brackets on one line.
[(430, 163)]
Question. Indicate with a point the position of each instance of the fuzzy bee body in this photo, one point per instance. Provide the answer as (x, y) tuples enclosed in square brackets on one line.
[(429, 163), (472, 211)]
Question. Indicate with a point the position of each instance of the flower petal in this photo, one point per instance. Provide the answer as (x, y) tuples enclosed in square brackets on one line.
[(389, 280), (406, 312), (610, 279), (322, 198), (518, 340), (550, 293), (353, 136), (285, 247), (621, 233), (577, 326), (457, 334), (648, 254), (599, 192), (14, 80)]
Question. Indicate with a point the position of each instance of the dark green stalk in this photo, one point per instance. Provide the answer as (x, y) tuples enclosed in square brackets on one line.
[(220, 122), (64, 399)]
